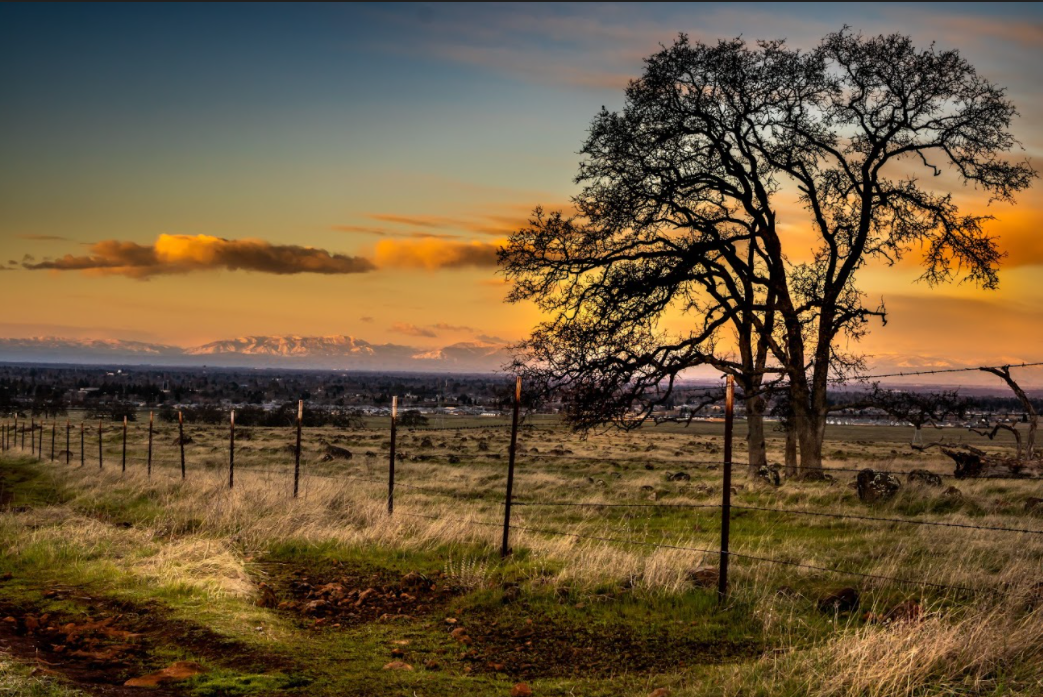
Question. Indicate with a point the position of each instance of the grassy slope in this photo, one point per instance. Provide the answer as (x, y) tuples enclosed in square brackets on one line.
[(193, 553)]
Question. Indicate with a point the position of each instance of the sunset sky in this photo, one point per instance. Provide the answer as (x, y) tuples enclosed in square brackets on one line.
[(181, 174)]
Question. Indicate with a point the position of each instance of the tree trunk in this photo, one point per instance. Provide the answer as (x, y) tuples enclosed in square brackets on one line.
[(756, 446), (791, 450), (811, 429)]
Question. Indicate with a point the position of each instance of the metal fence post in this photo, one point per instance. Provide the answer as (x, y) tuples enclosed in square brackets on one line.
[(181, 440), (391, 462), (726, 490), (297, 450), (505, 548), (231, 453)]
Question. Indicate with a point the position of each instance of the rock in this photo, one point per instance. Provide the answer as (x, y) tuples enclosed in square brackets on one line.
[(907, 611), (703, 577), (182, 670), (924, 477), (460, 634), (843, 600), (511, 593), (450, 620), (876, 487), (769, 475), (679, 477), (334, 452), (267, 596), (432, 664), (521, 690), (398, 665)]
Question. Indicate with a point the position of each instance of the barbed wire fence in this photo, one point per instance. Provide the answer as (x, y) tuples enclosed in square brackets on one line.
[(13, 435)]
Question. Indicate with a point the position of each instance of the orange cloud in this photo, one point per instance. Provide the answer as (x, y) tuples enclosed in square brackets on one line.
[(176, 254), (433, 254)]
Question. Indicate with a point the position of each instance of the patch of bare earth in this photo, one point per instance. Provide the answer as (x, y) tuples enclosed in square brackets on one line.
[(112, 641)]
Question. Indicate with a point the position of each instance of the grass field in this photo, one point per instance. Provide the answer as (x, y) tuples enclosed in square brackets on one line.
[(109, 575)]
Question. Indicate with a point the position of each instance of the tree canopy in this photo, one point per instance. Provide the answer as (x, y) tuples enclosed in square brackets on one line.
[(687, 248)]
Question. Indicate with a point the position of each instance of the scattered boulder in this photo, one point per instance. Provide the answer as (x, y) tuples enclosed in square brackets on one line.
[(703, 577), (924, 477), (876, 487), (769, 475), (843, 600), (679, 477), (907, 611), (521, 690), (335, 452), (182, 670), (267, 597), (398, 665)]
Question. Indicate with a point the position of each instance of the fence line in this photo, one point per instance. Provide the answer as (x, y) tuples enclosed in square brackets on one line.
[(726, 464)]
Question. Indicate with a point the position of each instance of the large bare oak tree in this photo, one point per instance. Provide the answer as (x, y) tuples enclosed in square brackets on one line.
[(688, 247)]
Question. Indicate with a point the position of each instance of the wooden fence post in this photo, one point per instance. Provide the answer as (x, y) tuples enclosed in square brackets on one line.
[(726, 490), (149, 466), (83, 455), (505, 548), (32, 437), (391, 463), (231, 452), (54, 427), (68, 442), (297, 450), (101, 439), (181, 440), (124, 468)]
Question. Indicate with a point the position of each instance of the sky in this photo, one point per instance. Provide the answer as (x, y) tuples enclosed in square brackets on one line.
[(187, 173)]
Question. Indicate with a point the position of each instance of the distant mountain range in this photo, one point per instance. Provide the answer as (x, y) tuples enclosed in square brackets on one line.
[(325, 352)]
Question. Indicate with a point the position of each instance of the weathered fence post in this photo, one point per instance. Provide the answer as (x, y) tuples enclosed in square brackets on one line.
[(149, 466), (39, 447), (101, 439), (181, 440), (54, 427), (83, 440), (22, 446), (505, 548), (124, 467), (391, 462), (231, 453), (726, 490), (32, 437), (68, 442), (297, 450)]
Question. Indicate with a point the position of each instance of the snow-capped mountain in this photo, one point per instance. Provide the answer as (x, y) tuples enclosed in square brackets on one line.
[(291, 351)]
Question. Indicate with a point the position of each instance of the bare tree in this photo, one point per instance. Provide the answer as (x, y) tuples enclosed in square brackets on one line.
[(678, 219), (1030, 410), (918, 409)]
